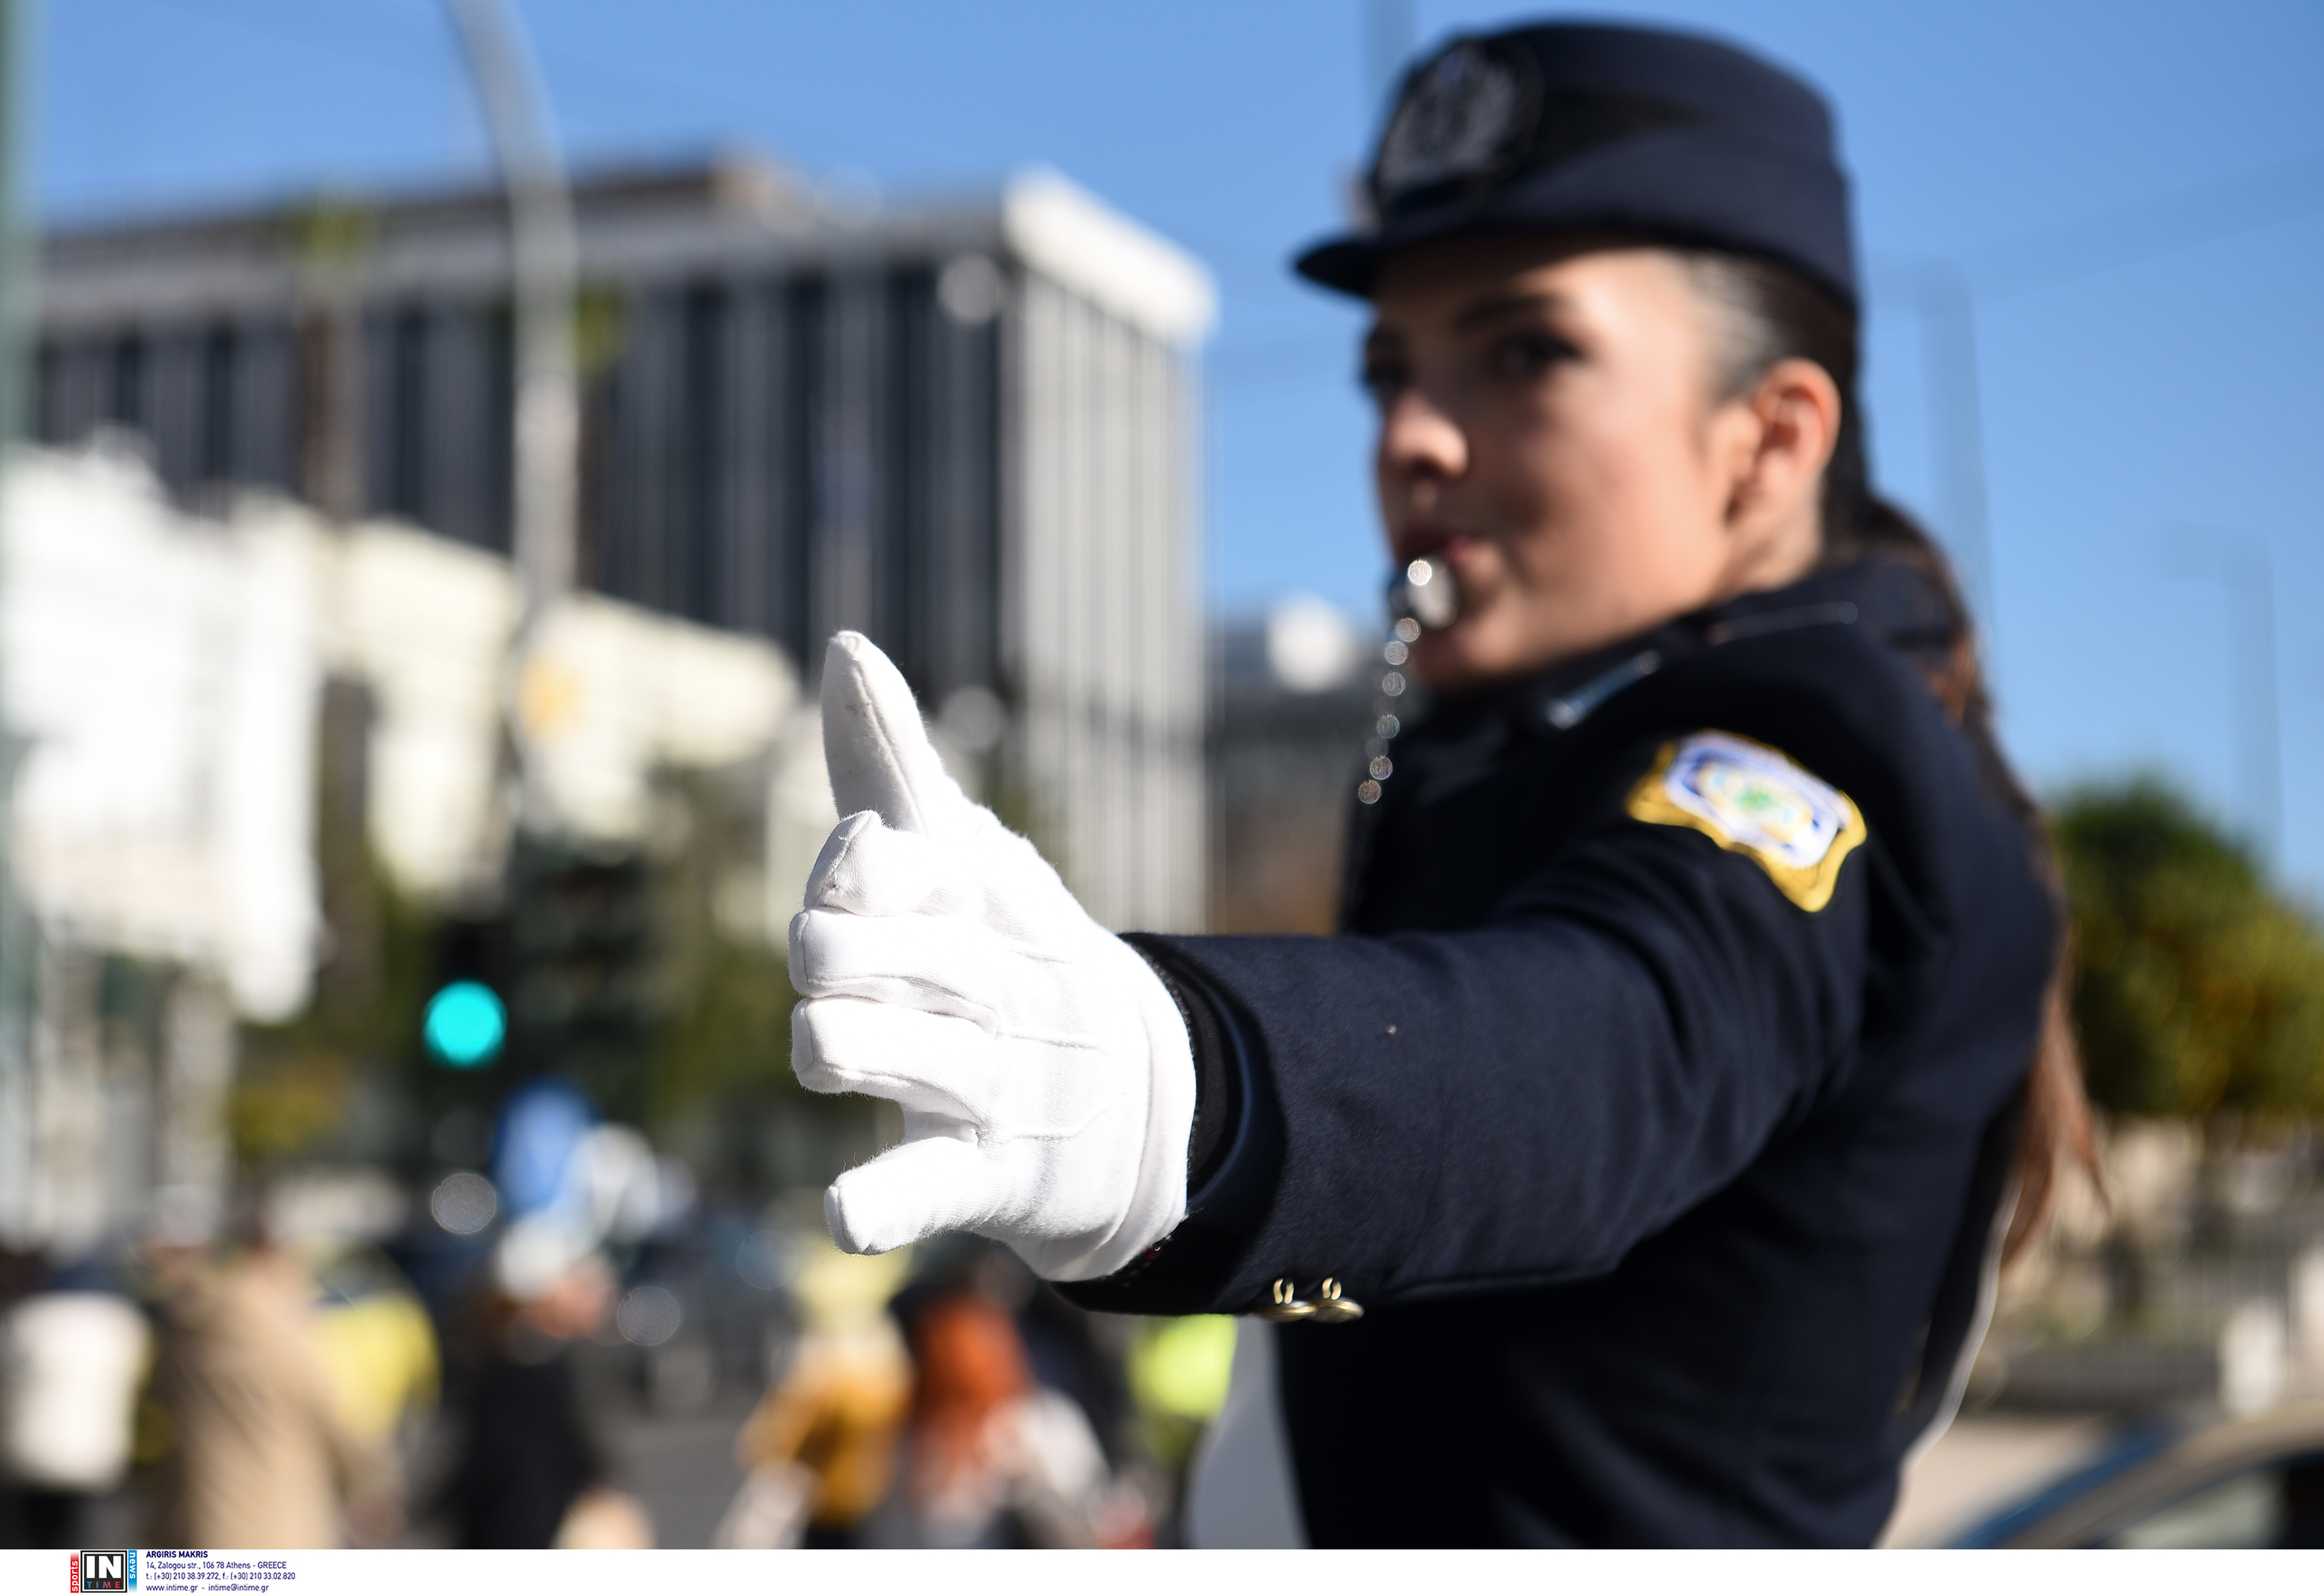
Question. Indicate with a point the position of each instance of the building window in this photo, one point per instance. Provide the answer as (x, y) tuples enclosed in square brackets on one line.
[(48, 394), (407, 415), (802, 396), (700, 454), (124, 393), (904, 567), (215, 460)]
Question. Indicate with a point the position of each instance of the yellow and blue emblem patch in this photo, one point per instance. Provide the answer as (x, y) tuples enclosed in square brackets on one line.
[(1749, 798)]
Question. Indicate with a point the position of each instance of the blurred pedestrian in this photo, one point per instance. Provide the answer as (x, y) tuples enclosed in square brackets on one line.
[(529, 1471), (72, 1358), (257, 1454), (991, 1459), (526, 1456), (819, 1451)]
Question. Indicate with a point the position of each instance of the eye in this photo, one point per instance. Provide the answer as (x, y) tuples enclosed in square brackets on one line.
[(1383, 379), (1527, 355)]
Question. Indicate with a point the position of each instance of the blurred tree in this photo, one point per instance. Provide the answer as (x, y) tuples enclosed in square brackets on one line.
[(296, 1081), (725, 983), (2196, 990), (718, 1088), (652, 976)]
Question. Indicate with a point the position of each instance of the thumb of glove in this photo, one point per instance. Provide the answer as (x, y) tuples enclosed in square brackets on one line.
[(876, 749)]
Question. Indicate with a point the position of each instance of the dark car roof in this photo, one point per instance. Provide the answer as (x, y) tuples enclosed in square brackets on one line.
[(2146, 1468)]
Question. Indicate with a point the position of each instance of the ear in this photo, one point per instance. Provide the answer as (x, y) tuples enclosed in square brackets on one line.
[(1795, 414)]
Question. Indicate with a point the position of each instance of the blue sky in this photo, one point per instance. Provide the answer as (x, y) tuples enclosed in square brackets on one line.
[(2135, 193)]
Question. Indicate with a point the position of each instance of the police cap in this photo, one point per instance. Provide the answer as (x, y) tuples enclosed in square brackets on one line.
[(1571, 126)]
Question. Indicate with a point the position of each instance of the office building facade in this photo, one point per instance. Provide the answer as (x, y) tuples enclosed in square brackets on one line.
[(969, 429)]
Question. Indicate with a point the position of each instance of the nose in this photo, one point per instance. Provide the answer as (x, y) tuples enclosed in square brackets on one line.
[(1419, 443)]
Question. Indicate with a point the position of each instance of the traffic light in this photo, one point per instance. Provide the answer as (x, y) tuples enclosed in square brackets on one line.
[(579, 943), (464, 1019), (465, 1025), (558, 980)]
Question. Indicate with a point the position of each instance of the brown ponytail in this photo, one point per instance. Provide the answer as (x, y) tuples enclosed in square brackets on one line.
[(1772, 313)]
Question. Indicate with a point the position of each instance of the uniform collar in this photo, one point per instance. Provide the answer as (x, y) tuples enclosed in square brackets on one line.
[(1891, 600)]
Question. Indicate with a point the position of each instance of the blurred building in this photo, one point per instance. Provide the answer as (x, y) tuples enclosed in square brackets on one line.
[(259, 594), (167, 678), (1292, 706), (969, 429)]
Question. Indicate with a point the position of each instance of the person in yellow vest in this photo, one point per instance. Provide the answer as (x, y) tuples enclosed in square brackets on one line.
[(819, 1451)]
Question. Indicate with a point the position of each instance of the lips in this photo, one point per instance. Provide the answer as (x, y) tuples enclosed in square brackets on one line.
[(1423, 539)]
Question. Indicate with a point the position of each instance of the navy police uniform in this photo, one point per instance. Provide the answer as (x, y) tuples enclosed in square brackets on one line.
[(1658, 1105), (1659, 1095)]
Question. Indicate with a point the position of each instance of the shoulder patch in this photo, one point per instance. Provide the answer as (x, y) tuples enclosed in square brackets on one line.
[(1751, 799)]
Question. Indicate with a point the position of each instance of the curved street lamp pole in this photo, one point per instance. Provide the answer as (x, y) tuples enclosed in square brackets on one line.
[(19, 1143), (545, 268)]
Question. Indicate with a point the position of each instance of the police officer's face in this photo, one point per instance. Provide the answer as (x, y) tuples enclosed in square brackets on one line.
[(1550, 423)]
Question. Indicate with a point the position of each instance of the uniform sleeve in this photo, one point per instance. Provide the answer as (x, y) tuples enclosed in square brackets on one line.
[(1524, 1102)]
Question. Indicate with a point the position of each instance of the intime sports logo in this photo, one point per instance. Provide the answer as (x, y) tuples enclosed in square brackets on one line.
[(105, 1571)]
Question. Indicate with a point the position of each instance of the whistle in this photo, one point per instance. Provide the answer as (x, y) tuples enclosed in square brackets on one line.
[(1426, 591)]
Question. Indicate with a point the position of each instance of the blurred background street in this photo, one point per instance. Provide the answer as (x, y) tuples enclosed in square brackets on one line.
[(443, 435)]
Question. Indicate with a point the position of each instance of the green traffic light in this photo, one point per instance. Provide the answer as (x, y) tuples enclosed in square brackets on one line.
[(465, 1025)]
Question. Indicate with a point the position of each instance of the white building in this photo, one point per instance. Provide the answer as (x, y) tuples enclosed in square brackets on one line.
[(162, 674)]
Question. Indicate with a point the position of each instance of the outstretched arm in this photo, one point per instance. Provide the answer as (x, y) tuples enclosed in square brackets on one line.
[(1522, 1102)]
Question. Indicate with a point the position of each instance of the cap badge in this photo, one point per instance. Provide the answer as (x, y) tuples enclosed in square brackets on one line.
[(1455, 121)]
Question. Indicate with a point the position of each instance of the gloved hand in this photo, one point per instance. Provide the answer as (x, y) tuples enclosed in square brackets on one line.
[(1046, 1076)]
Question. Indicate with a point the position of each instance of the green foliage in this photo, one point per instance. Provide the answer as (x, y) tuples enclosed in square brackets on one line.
[(724, 997), (599, 329), (328, 232), (730, 1038), (296, 1085), (296, 1081), (647, 978), (2196, 988)]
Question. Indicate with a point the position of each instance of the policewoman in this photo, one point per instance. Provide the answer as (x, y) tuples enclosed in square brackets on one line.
[(1631, 1170)]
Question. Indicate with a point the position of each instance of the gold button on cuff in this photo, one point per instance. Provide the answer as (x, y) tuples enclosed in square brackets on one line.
[(1333, 1308), (1284, 1306), (1331, 1305)]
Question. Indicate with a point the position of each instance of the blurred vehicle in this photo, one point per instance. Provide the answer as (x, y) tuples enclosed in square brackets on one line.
[(373, 1338), (708, 1311), (2257, 1482)]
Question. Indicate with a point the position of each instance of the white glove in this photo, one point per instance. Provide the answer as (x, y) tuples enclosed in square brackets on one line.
[(1045, 1073)]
